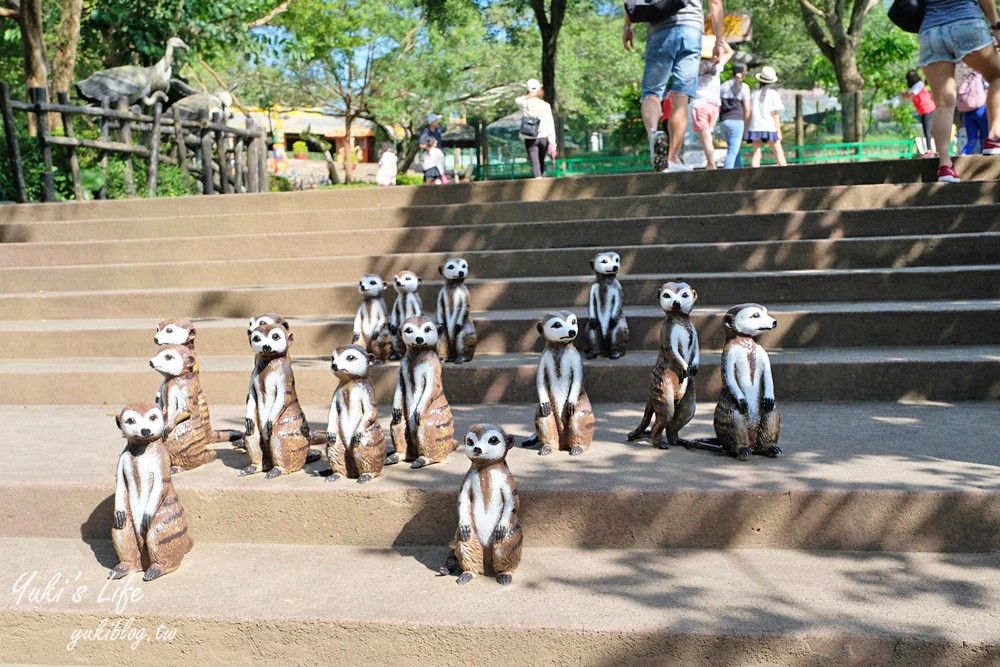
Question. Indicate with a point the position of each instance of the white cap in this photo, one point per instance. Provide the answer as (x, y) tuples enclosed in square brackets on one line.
[(431, 117), (532, 85)]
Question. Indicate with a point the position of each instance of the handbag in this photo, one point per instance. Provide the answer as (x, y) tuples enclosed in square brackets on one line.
[(529, 126), (972, 93), (907, 14), (651, 11)]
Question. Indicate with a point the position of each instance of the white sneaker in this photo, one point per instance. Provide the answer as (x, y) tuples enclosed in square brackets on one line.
[(676, 167), (658, 149)]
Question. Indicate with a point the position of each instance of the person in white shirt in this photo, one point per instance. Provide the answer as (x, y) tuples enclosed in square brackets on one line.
[(544, 143), (705, 108), (386, 174), (734, 114), (433, 163), (765, 123)]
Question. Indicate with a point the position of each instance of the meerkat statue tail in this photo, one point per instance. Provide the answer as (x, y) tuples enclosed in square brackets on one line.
[(706, 444)]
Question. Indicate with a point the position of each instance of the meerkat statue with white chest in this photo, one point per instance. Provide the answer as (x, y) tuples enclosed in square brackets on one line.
[(406, 305), (355, 441), (149, 530), (422, 427), (371, 325), (746, 419), (672, 390), (607, 330), (185, 433), (489, 537), (458, 334), (565, 419)]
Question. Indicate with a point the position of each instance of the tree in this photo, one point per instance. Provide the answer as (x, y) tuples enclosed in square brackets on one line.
[(549, 25), (67, 40), (28, 14)]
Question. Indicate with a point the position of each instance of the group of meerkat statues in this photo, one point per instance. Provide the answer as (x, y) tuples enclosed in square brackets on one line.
[(170, 435)]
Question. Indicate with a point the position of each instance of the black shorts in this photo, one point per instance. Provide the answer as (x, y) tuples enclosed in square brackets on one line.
[(432, 174)]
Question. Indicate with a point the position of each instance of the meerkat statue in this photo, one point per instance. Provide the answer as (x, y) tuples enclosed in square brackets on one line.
[(149, 530), (672, 390), (406, 305), (355, 441), (185, 433), (746, 419), (607, 330), (178, 331), (277, 434), (489, 533), (371, 326), (422, 427), (565, 418), (266, 318), (458, 333)]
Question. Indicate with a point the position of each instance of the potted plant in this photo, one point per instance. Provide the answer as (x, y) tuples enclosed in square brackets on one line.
[(300, 150)]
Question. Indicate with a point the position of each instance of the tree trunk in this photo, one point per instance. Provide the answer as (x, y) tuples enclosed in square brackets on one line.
[(67, 39), (851, 84), (410, 155), (36, 69), (348, 150), (549, 26)]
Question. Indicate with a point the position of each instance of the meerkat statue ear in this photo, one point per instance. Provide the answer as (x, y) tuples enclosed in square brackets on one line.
[(371, 359), (694, 295), (729, 321), (189, 360), (441, 269), (291, 337), (591, 263), (118, 422), (419, 282), (191, 334), (540, 328), (509, 438), (384, 284), (440, 329)]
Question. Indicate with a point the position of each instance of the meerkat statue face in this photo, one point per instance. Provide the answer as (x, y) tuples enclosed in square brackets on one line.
[(350, 362), (371, 285), (140, 421), (454, 269), (406, 282), (174, 332), (420, 332), (749, 319), (559, 327), (606, 263), (487, 442), (173, 360), (266, 318), (677, 297), (270, 340)]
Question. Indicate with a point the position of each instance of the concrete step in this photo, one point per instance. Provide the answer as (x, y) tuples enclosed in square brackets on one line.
[(240, 244), (256, 603), (807, 325), (862, 253), (867, 374), (860, 476), (305, 300)]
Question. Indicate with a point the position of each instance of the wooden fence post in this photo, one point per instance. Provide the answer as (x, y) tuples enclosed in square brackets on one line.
[(206, 156), (125, 136), (154, 147), (800, 127), (74, 163), (38, 98), (265, 183), (220, 149), (104, 136), (10, 130), (253, 174), (181, 148)]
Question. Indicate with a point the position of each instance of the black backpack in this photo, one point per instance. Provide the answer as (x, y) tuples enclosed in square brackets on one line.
[(651, 11), (907, 14)]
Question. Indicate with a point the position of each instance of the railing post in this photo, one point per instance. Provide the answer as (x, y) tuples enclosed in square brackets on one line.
[(253, 173), (800, 127), (181, 147), (10, 130), (105, 135), (125, 136), (206, 155), (222, 152), (74, 163), (154, 148), (38, 98)]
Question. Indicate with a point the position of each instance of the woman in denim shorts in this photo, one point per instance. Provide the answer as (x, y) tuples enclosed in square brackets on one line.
[(952, 31)]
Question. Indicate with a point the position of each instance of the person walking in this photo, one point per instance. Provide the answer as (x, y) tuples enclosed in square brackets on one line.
[(673, 49), (433, 163), (971, 101), (433, 129), (922, 102), (765, 122), (386, 174), (734, 114), (954, 30), (705, 108), (543, 142)]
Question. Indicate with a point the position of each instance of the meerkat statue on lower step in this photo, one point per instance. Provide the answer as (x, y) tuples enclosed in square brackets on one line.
[(356, 443), (185, 434), (458, 334), (149, 528), (371, 325), (406, 305), (565, 419), (422, 427), (672, 389), (488, 538), (607, 330)]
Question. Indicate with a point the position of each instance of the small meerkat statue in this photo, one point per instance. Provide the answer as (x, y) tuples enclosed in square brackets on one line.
[(277, 434), (422, 427), (565, 419), (607, 330), (489, 533), (458, 333), (185, 433), (150, 531), (406, 305), (266, 318), (371, 326), (356, 443), (672, 391), (746, 419)]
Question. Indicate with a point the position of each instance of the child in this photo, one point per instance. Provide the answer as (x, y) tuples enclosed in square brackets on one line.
[(925, 106), (765, 124), (433, 163), (705, 108), (386, 174)]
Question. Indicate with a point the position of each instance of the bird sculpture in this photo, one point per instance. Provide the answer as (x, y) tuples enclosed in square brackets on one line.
[(132, 83), (192, 106)]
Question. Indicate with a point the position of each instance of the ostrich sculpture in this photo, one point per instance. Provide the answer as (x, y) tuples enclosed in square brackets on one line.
[(132, 83)]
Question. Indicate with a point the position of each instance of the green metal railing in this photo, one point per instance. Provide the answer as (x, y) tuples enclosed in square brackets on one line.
[(850, 152)]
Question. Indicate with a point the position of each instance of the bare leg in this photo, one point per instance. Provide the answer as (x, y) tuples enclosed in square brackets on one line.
[(986, 61), (705, 136), (677, 124), (941, 78), (779, 153), (758, 147), (652, 109)]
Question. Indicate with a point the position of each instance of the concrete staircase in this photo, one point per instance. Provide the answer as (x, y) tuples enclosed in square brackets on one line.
[(874, 540)]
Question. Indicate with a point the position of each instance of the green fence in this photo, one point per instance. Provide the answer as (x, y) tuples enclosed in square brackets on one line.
[(622, 164)]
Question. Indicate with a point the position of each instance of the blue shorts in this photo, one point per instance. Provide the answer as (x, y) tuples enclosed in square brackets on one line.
[(951, 42), (673, 54)]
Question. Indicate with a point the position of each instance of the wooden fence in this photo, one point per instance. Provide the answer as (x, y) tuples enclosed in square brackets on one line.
[(223, 159)]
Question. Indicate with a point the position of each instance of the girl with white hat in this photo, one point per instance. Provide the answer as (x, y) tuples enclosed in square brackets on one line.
[(765, 124)]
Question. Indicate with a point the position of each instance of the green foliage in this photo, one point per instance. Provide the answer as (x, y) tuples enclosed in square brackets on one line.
[(630, 131), (300, 148), (409, 179), (277, 183), (34, 169), (169, 180)]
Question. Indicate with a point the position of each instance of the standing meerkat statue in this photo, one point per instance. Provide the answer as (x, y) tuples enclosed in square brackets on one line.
[(178, 331), (607, 330), (746, 420), (266, 318), (406, 305), (371, 326), (277, 436), (489, 537), (355, 441), (422, 426), (150, 531), (185, 433), (565, 419), (672, 390), (458, 333)]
